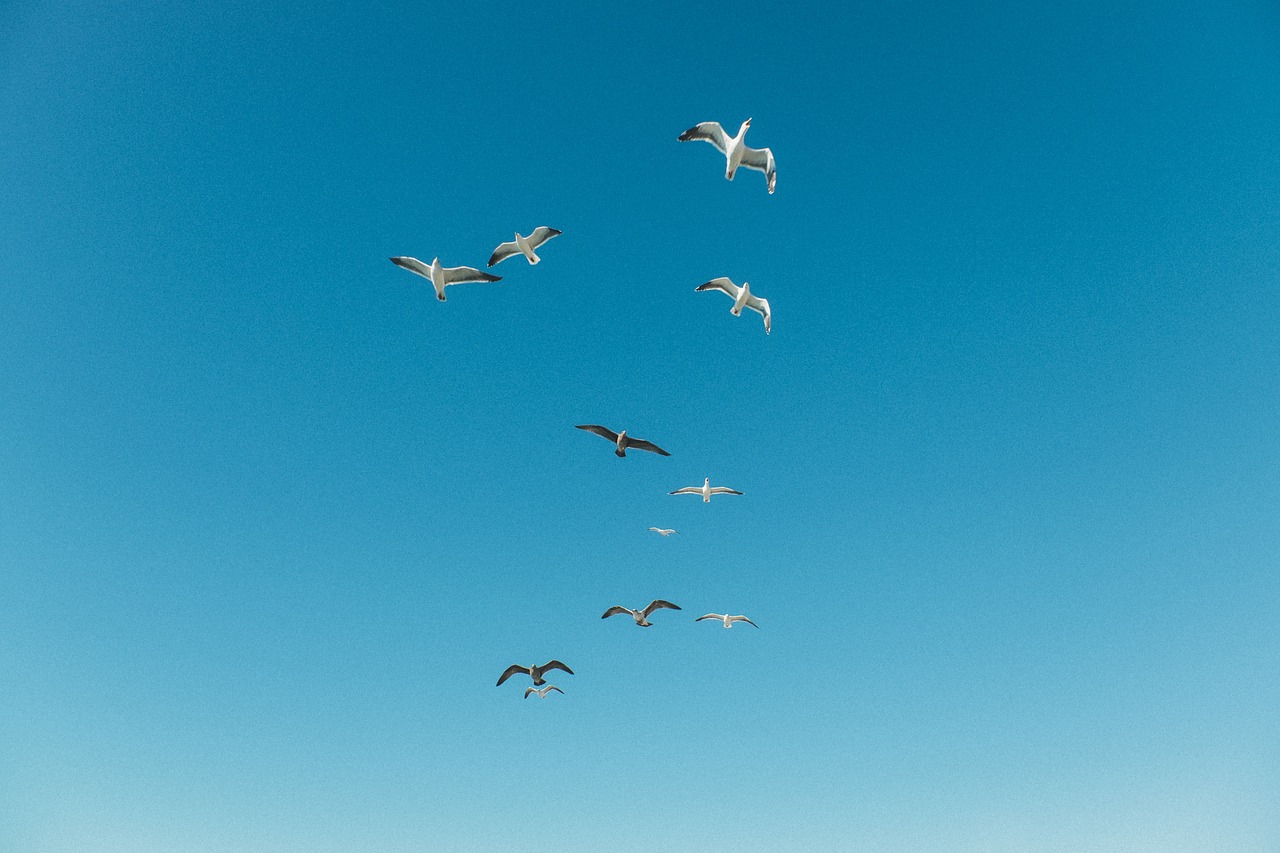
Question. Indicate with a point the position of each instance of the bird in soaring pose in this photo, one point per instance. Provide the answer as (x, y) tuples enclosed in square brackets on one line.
[(641, 616), (523, 245), (742, 297), (706, 490), (533, 671), (441, 277), (623, 441), (735, 151)]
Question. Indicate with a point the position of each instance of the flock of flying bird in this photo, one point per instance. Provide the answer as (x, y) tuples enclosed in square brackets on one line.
[(737, 154)]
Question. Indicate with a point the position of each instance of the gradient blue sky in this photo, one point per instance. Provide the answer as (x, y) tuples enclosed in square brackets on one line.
[(273, 519)]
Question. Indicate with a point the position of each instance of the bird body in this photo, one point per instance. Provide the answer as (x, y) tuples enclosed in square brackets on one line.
[(441, 276), (535, 672), (664, 532), (742, 297), (622, 441), (727, 619), (706, 490), (522, 245), (542, 694), (735, 150), (641, 616)]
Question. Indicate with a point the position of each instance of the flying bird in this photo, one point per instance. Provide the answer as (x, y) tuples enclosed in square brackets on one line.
[(706, 490), (441, 277), (742, 297), (534, 671), (641, 616), (727, 619), (735, 151), (524, 245), (623, 441), (667, 531), (542, 694)]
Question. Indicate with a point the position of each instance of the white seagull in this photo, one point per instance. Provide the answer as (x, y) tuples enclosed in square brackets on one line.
[(742, 297), (623, 441), (441, 277), (726, 619), (641, 616), (664, 531), (735, 151), (542, 694), (533, 671), (524, 245), (706, 490)]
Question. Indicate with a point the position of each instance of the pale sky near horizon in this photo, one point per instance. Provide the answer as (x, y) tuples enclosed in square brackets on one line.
[(273, 519)]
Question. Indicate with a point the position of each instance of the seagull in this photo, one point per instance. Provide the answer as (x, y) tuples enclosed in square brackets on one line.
[(524, 245), (663, 531), (641, 616), (623, 440), (534, 671), (706, 490), (441, 277), (542, 694), (735, 151), (741, 296), (726, 619)]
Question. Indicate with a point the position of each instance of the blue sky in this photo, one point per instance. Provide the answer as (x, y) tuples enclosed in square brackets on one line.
[(273, 519)]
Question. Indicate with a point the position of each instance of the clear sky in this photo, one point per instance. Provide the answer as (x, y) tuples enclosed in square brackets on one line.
[(273, 519)]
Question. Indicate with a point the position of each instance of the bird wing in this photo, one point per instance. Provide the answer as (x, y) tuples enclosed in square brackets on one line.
[(761, 159), (761, 307), (512, 670), (707, 131), (724, 490), (504, 251), (614, 611), (719, 616), (413, 265), (687, 490), (555, 664), (467, 275), (743, 619), (529, 690), (722, 284), (550, 687), (603, 432), (542, 234), (641, 444), (658, 604)]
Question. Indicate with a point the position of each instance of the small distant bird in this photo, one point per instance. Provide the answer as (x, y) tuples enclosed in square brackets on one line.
[(524, 245), (441, 277), (735, 151), (641, 616), (742, 297), (706, 490), (534, 671), (664, 531), (542, 694), (623, 441), (727, 619)]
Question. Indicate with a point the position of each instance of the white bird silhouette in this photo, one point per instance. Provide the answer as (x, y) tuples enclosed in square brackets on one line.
[(735, 151), (726, 619), (641, 616), (706, 490), (524, 245), (542, 694), (742, 297), (667, 531), (441, 277)]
